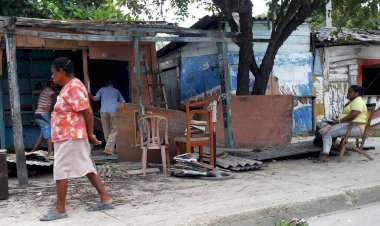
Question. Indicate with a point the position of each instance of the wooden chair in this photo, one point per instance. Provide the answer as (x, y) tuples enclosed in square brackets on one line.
[(150, 128), (197, 140), (359, 144)]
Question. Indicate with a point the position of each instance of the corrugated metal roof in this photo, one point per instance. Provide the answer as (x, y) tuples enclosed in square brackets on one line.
[(330, 36)]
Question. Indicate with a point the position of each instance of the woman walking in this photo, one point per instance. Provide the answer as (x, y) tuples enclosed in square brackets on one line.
[(72, 130)]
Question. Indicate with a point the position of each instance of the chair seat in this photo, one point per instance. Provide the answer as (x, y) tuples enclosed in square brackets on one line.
[(194, 139)]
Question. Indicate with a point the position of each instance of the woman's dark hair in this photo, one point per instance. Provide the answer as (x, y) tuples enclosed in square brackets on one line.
[(357, 89), (63, 63)]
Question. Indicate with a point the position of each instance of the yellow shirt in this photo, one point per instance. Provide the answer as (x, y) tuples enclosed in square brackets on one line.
[(357, 105)]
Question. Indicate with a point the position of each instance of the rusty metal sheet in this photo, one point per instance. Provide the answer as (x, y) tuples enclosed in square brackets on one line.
[(258, 121)]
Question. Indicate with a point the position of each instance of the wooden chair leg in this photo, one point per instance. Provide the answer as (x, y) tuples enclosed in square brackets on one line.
[(343, 144), (200, 153), (191, 149), (167, 158), (361, 152), (163, 157), (144, 157), (178, 148)]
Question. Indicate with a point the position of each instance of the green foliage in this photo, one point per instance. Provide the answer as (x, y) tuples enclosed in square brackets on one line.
[(65, 9), (349, 14), (157, 9), (356, 13), (100, 9)]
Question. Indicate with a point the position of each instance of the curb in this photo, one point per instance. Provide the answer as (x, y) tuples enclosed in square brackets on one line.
[(342, 200)]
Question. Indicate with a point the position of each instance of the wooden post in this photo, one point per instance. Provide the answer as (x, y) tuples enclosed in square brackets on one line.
[(86, 78), (225, 86), (138, 73), (22, 172), (2, 129)]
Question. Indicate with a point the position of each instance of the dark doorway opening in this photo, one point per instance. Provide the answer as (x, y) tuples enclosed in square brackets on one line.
[(371, 79), (116, 72)]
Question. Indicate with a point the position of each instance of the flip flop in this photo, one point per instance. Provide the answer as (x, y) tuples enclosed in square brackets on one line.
[(53, 215), (100, 206)]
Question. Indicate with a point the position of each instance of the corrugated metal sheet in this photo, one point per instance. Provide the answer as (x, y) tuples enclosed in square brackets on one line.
[(328, 36)]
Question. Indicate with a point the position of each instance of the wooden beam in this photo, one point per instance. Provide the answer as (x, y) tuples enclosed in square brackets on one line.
[(22, 172), (2, 130), (117, 38), (225, 86), (138, 74), (86, 77), (1, 63), (7, 21)]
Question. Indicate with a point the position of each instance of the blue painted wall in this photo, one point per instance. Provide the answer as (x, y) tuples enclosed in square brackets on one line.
[(200, 74), (294, 73)]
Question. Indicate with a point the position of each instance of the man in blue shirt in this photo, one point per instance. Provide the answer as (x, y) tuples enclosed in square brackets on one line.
[(108, 96)]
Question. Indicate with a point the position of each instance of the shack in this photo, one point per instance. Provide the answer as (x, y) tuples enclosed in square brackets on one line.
[(191, 69), (38, 42), (344, 58), (120, 51)]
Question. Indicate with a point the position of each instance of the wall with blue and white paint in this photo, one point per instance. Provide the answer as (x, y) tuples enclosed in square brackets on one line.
[(293, 67)]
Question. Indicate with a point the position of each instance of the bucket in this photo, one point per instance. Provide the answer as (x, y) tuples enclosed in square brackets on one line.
[(4, 190)]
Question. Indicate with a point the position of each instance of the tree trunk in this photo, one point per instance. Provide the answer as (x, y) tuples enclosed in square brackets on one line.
[(245, 53)]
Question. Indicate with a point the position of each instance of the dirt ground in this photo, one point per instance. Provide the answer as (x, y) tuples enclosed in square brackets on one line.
[(163, 200), (135, 190)]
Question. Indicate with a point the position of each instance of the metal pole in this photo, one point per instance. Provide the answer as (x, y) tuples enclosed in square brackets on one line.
[(22, 172), (138, 74)]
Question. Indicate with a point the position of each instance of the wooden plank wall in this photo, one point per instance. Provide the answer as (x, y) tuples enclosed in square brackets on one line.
[(298, 41), (340, 70)]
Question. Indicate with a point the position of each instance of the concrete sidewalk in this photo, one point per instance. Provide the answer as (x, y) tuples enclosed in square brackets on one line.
[(297, 188)]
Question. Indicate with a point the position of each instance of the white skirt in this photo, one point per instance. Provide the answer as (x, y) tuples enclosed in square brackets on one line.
[(72, 158)]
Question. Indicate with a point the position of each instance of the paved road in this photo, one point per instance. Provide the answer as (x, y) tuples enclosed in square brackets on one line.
[(361, 216)]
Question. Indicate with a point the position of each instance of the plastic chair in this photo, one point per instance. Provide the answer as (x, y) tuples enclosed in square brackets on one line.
[(200, 140), (359, 144), (151, 128)]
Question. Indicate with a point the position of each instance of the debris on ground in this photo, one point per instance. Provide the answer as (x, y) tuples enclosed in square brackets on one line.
[(39, 158), (235, 163), (139, 171), (104, 170), (188, 166)]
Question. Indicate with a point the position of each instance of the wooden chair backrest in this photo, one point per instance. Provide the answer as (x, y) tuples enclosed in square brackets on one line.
[(190, 112), (371, 112)]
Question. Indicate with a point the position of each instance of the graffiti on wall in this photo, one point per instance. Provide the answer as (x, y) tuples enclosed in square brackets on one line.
[(200, 79)]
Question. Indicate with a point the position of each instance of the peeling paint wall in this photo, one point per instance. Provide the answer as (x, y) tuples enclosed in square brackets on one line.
[(340, 70), (199, 71), (199, 77), (340, 67), (294, 73)]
